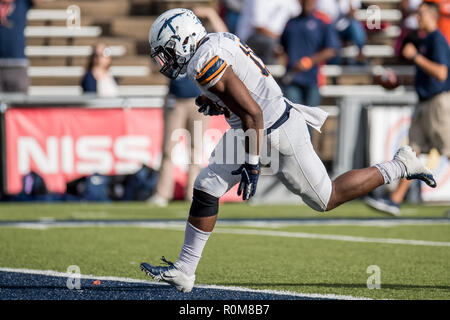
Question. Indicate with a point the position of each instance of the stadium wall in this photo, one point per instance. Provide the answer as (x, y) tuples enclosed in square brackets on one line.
[(65, 140)]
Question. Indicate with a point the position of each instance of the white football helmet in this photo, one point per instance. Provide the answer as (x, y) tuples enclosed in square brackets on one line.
[(173, 40)]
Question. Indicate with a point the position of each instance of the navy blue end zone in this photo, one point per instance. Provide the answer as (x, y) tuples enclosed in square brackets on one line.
[(25, 286)]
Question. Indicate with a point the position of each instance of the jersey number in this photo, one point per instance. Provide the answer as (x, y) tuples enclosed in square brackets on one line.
[(249, 53)]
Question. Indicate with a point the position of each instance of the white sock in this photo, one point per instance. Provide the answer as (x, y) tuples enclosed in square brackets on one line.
[(191, 252), (391, 170)]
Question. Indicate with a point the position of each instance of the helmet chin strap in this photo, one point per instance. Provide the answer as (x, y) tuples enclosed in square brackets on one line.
[(199, 43), (193, 45)]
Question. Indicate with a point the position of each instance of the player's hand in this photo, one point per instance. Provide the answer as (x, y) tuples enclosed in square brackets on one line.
[(209, 107), (409, 51), (249, 179)]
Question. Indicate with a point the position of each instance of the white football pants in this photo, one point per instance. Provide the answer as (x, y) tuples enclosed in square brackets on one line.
[(298, 168)]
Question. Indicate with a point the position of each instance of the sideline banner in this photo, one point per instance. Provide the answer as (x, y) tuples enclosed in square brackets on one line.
[(388, 130), (62, 144)]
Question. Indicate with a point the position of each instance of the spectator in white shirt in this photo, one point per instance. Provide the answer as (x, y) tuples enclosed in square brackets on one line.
[(262, 23), (98, 79), (341, 13)]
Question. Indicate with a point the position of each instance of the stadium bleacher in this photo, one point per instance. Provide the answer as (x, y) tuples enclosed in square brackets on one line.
[(58, 53), (124, 25)]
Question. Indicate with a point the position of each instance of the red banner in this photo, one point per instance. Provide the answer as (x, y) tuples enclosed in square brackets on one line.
[(62, 144)]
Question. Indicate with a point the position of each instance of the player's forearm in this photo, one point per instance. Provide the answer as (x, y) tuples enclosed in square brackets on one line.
[(237, 98), (253, 125), (439, 71), (252, 122)]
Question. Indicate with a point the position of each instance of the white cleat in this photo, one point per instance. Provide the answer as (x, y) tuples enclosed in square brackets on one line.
[(415, 169), (170, 274)]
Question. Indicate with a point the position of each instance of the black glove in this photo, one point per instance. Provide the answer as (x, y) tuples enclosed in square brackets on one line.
[(208, 108), (249, 179)]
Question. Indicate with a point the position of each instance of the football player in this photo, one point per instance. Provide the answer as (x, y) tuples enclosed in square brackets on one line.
[(236, 83)]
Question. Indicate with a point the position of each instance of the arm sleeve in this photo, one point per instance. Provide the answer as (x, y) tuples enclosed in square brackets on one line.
[(207, 69)]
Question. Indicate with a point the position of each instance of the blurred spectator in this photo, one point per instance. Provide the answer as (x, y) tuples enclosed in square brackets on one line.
[(262, 23), (308, 41), (98, 79), (13, 63), (433, 58), (409, 9), (233, 10), (410, 32), (430, 125), (444, 17), (341, 13), (180, 112), (409, 26)]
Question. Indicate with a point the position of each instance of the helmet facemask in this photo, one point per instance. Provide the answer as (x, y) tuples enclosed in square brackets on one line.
[(171, 64)]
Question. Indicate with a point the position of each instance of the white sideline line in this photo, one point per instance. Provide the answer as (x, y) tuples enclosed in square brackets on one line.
[(331, 237), (202, 286), (267, 223), (179, 226), (273, 223)]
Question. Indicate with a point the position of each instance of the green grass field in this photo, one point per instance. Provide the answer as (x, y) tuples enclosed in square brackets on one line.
[(296, 258)]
